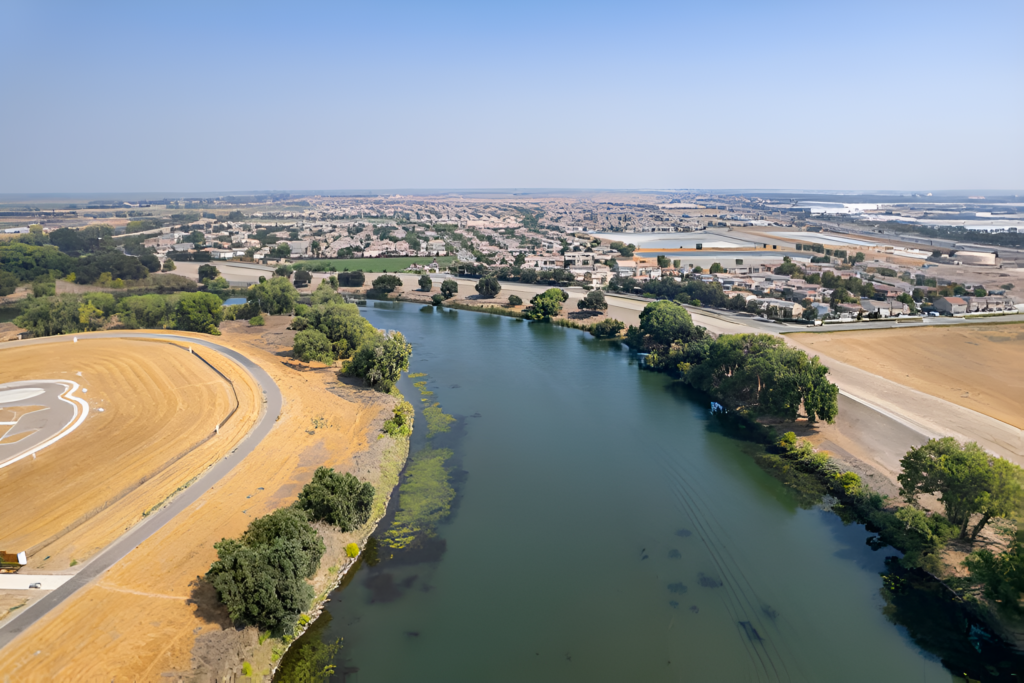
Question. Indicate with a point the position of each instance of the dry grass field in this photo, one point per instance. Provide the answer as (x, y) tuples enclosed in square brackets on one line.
[(151, 404), (980, 367), (146, 616)]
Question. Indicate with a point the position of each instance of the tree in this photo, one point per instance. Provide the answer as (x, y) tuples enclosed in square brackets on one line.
[(593, 301), (149, 311), (609, 327), (717, 268), (208, 272), (381, 360), (199, 312), (276, 296), (514, 300), (449, 288), (426, 284), (313, 345), (338, 499), (663, 261), (810, 313), (169, 266), (151, 262), (968, 480), (197, 238), (8, 283), (356, 278), (546, 305), (284, 270), (488, 287), (697, 269), (437, 299), (386, 284), (662, 323), (303, 278), (528, 276)]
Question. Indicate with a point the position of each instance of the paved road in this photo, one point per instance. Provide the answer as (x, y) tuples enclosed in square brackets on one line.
[(12, 627)]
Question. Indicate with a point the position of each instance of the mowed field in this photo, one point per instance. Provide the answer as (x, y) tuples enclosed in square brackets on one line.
[(148, 616), (152, 405), (980, 367), (375, 265)]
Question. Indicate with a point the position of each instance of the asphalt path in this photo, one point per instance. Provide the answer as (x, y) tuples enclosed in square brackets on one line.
[(124, 545)]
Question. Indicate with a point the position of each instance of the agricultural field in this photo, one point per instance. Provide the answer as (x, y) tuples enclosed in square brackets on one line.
[(980, 367), (376, 265), (150, 429)]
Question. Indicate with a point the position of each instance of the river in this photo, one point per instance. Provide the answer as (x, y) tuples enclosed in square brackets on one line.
[(603, 528)]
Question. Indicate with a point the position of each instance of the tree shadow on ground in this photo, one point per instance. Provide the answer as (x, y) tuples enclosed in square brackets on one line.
[(208, 606)]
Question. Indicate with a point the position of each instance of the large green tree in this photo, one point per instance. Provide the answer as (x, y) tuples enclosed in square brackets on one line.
[(387, 283), (199, 312), (663, 323), (381, 360), (276, 296), (488, 287), (967, 479), (426, 284), (449, 288), (313, 344), (593, 301), (338, 499), (546, 305)]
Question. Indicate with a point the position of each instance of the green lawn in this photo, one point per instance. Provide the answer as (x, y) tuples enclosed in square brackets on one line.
[(374, 265)]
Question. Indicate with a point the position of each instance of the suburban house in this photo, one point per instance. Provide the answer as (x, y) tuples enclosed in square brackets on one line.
[(952, 305)]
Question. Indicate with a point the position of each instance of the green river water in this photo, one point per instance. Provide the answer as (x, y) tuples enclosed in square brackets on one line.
[(603, 527)]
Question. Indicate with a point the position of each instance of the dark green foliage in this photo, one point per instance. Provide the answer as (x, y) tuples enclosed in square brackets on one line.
[(609, 327), (169, 266), (89, 268), (150, 311), (150, 261), (546, 305), (514, 300), (208, 272), (758, 373), (449, 288), (662, 324), (528, 276), (303, 278), (386, 284), (341, 325), (276, 296), (488, 287), (261, 578), (593, 301), (1002, 576), (199, 312), (27, 262), (313, 345), (400, 424), (426, 284), (338, 499), (437, 299), (257, 320), (355, 278), (968, 480), (381, 360), (284, 270), (313, 663), (8, 283), (46, 316)]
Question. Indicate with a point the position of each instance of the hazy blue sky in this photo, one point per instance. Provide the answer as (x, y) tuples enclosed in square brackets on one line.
[(174, 96)]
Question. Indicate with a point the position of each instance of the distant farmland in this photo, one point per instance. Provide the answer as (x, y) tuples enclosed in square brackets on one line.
[(373, 265)]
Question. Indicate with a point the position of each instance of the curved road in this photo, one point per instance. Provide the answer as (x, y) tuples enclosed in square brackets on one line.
[(124, 545)]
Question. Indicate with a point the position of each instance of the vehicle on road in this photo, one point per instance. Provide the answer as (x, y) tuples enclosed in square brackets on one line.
[(35, 585)]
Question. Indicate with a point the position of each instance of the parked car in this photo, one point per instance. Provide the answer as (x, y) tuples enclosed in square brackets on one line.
[(35, 585)]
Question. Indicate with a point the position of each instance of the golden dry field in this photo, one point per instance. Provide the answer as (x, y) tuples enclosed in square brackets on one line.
[(145, 616), (980, 367), (151, 405)]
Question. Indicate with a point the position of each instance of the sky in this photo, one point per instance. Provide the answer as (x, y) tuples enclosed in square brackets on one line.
[(219, 96)]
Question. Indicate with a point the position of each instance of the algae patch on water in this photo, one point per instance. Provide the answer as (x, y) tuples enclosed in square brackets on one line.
[(437, 420), (425, 497)]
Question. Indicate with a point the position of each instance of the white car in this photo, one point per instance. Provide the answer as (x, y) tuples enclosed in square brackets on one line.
[(35, 585)]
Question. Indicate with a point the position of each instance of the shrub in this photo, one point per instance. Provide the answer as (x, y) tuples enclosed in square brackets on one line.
[(303, 278), (313, 345), (437, 299), (400, 424), (426, 283), (546, 305), (338, 499), (449, 288), (387, 283), (276, 296), (381, 360), (199, 312), (257, 320), (355, 278), (488, 287), (514, 300), (610, 327), (352, 550)]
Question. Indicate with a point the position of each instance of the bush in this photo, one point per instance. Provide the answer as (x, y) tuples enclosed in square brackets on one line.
[(449, 288), (610, 327), (381, 360), (437, 299), (257, 320), (593, 301), (169, 266), (338, 499), (400, 424), (356, 278), (208, 272), (385, 284), (352, 550), (426, 284), (261, 577), (313, 345), (546, 305), (514, 300), (199, 312), (488, 287), (276, 296), (8, 283)]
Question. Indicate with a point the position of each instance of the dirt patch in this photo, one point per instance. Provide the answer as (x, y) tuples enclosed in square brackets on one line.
[(980, 367)]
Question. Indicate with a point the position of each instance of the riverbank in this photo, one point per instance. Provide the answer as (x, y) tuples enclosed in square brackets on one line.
[(151, 614)]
